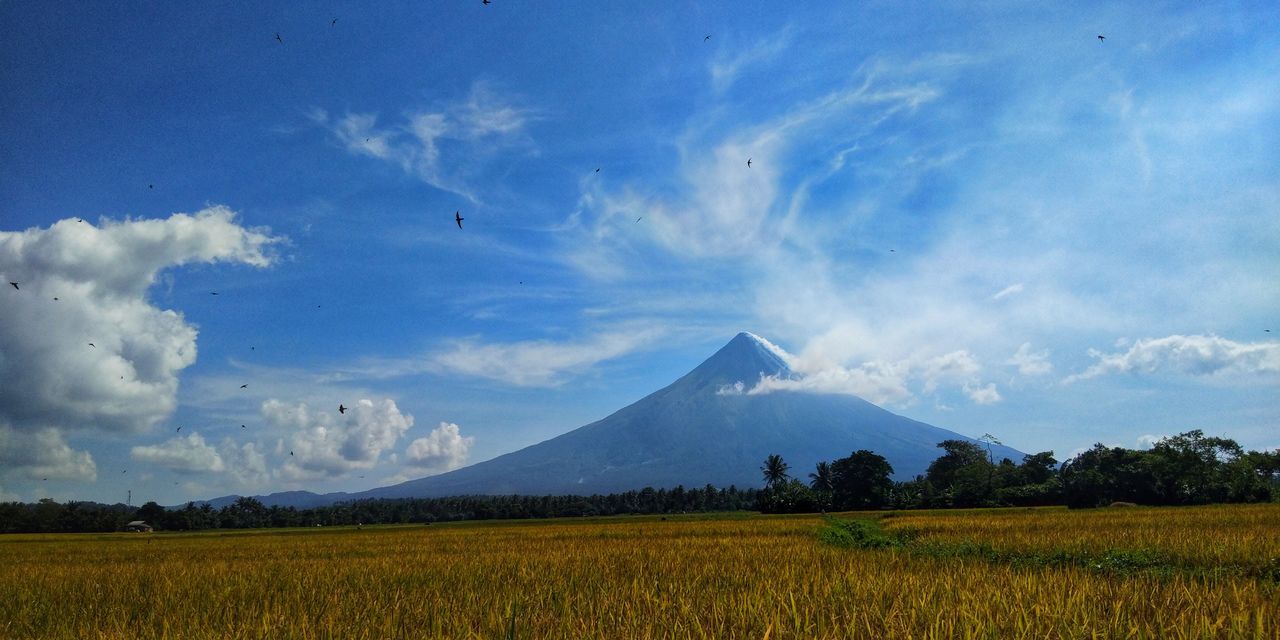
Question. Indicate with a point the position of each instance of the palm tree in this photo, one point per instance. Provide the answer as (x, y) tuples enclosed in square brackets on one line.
[(821, 479), (774, 469)]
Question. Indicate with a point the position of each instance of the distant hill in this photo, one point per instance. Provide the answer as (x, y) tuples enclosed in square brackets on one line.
[(689, 433)]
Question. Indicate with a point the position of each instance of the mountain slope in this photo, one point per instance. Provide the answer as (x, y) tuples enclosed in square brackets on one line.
[(697, 431)]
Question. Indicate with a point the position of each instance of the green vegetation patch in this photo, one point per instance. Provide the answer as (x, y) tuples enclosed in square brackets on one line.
[(856, 534), (868, 533)]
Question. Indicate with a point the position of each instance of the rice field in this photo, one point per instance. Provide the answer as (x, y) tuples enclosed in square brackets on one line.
[(722, 576)]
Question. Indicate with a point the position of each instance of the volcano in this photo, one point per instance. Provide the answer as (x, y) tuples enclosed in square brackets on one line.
[(702, 428)]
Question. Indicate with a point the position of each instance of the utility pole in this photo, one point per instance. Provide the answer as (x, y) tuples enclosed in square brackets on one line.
[(129, 501)]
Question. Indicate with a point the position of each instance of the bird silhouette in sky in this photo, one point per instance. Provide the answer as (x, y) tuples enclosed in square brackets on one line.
[(244, 386), (15, 285), (125, 471), (213, 293), (79, 220), (484, 1), (640, 218), (279, 39), (151, 186), (748, 163), (55, 298), (597, 169), (242, 426), (1267, 330), (706, 38), (290, 453), (333, 22), (1102, 38), (179, 430), (457, 217), (341, 409), (93, 345)]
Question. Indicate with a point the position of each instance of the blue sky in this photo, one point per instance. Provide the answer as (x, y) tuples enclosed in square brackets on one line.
[(982, 217)]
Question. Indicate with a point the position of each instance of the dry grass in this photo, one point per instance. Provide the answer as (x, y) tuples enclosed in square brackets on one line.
[(700, 577), (1241, 539)]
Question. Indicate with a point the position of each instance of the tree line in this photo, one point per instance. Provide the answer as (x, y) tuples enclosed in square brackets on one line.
[(1188, 468), (49, 516)]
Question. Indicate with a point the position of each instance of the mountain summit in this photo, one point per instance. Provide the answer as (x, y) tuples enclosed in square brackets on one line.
[(699, 429)]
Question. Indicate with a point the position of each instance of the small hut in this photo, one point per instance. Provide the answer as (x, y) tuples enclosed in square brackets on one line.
[(138, 526)]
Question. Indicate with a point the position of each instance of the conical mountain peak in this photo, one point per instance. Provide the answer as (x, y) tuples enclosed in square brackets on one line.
[(744, 359)]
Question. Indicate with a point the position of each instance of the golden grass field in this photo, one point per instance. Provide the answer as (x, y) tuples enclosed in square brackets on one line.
[(719, 576)]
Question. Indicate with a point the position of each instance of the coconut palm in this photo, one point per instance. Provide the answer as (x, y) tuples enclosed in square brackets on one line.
[(774, 470), (821, 479)]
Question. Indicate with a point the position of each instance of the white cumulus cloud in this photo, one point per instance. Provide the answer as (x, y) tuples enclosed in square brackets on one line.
[(326, 443), (187, 454), (1030, 363), (245, 463), (1193, 355), (43, 454), (986, 394), (81, 346), (445, 448)]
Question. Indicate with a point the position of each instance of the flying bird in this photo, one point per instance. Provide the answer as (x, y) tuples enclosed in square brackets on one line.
[(279, 39), (597, 169), (242, 426), (484, 1), (93, 345), (151, 186), (55, 298), (79, 220), (1102, 38), (748, 163), (213, 293), (708, 37), (15, 285), (125, 471), (244, 386), (1267, 330), (290, 453), (333, 22), (179, 429), (457, 217), (341, 409), (640, 218)]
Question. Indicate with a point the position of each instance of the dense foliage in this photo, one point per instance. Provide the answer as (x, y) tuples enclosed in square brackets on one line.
[(48, 516), (1189, 468)]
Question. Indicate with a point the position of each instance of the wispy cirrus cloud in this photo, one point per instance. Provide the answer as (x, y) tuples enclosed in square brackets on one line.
[(450, 148), (1189, 355), (538, 363), (729, 62)]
